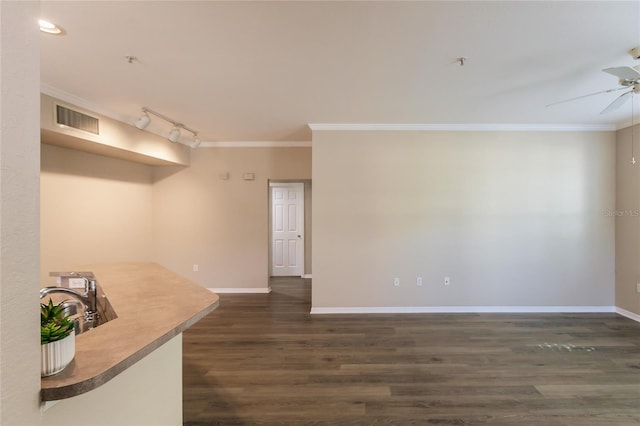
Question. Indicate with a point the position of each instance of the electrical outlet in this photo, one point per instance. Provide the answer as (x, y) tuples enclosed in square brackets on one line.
[(195, 268), (447, 280), (638, 287), (396, 282), (419, 281)]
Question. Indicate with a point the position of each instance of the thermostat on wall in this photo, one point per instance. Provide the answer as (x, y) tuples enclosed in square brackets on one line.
[(249, 176)]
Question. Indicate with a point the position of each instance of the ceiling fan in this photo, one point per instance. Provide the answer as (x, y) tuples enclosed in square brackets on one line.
[(628, 78)]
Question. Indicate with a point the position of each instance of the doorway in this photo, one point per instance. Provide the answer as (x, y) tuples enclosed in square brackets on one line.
[(286, 229)]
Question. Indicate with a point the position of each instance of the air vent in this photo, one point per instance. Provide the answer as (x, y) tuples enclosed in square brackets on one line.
[(77, 120)]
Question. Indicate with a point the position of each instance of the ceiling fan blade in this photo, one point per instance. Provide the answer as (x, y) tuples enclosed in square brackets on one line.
[(625, 73), (586, 96), (618, 102)]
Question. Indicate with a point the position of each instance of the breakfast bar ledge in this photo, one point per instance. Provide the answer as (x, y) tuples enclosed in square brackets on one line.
[(153, 305)]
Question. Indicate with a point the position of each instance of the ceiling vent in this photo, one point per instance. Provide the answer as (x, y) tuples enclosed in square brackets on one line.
[(77, 120)]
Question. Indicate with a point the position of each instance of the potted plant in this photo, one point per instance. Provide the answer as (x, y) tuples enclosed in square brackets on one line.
[(57, 338)]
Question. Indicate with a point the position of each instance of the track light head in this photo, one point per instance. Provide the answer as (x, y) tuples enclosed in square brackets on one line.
[(142, 122), (196, 142), (174, 135)]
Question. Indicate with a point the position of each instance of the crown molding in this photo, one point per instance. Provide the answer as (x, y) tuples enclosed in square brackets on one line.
[(256, 144), (625, 124), (96, 108), (462, 127)]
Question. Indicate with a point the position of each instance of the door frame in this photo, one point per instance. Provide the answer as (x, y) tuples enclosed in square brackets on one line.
[(285, 184)]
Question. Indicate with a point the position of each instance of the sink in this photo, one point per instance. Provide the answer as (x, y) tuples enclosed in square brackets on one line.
[(73, 305)]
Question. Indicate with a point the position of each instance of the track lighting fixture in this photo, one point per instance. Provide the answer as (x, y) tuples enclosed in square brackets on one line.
[(174, 135), (142, 122), (196, 142)]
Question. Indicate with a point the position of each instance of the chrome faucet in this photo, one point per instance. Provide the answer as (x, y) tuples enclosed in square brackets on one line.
[(89, 299)]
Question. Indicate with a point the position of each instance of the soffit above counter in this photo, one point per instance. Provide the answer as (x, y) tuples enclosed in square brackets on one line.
[(115, 139)]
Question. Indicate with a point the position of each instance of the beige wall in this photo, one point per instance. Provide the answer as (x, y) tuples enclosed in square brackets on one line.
[(19, 153), (221, 225), (627, 216), (514, 218), (101, 209), (93, 209)]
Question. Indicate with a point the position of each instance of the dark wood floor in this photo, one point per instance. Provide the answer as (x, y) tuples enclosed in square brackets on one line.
[(263, 360)]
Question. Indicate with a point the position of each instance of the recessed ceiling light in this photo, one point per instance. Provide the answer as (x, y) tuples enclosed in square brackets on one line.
[(49, 28)]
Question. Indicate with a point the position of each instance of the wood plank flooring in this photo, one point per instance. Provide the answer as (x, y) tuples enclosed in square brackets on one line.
[(263, 360)]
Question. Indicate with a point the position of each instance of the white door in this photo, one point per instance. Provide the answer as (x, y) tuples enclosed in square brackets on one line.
[(287, 229)]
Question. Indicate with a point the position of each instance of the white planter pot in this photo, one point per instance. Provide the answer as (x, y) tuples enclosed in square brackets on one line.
[(55, 356)]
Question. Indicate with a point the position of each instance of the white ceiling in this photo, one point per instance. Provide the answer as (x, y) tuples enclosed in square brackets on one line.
[(260, 71)]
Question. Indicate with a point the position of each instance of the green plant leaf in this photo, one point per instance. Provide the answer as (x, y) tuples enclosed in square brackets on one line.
[(54, 325)]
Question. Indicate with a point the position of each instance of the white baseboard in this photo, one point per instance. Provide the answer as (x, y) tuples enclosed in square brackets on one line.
[(628, 314), (252, 290), (462, 309), (306, 276)]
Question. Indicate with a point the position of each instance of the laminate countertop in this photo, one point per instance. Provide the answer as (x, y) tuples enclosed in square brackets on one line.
[(153, 305)]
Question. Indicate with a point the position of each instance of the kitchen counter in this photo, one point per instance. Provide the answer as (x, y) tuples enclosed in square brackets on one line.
[(153, 305)]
